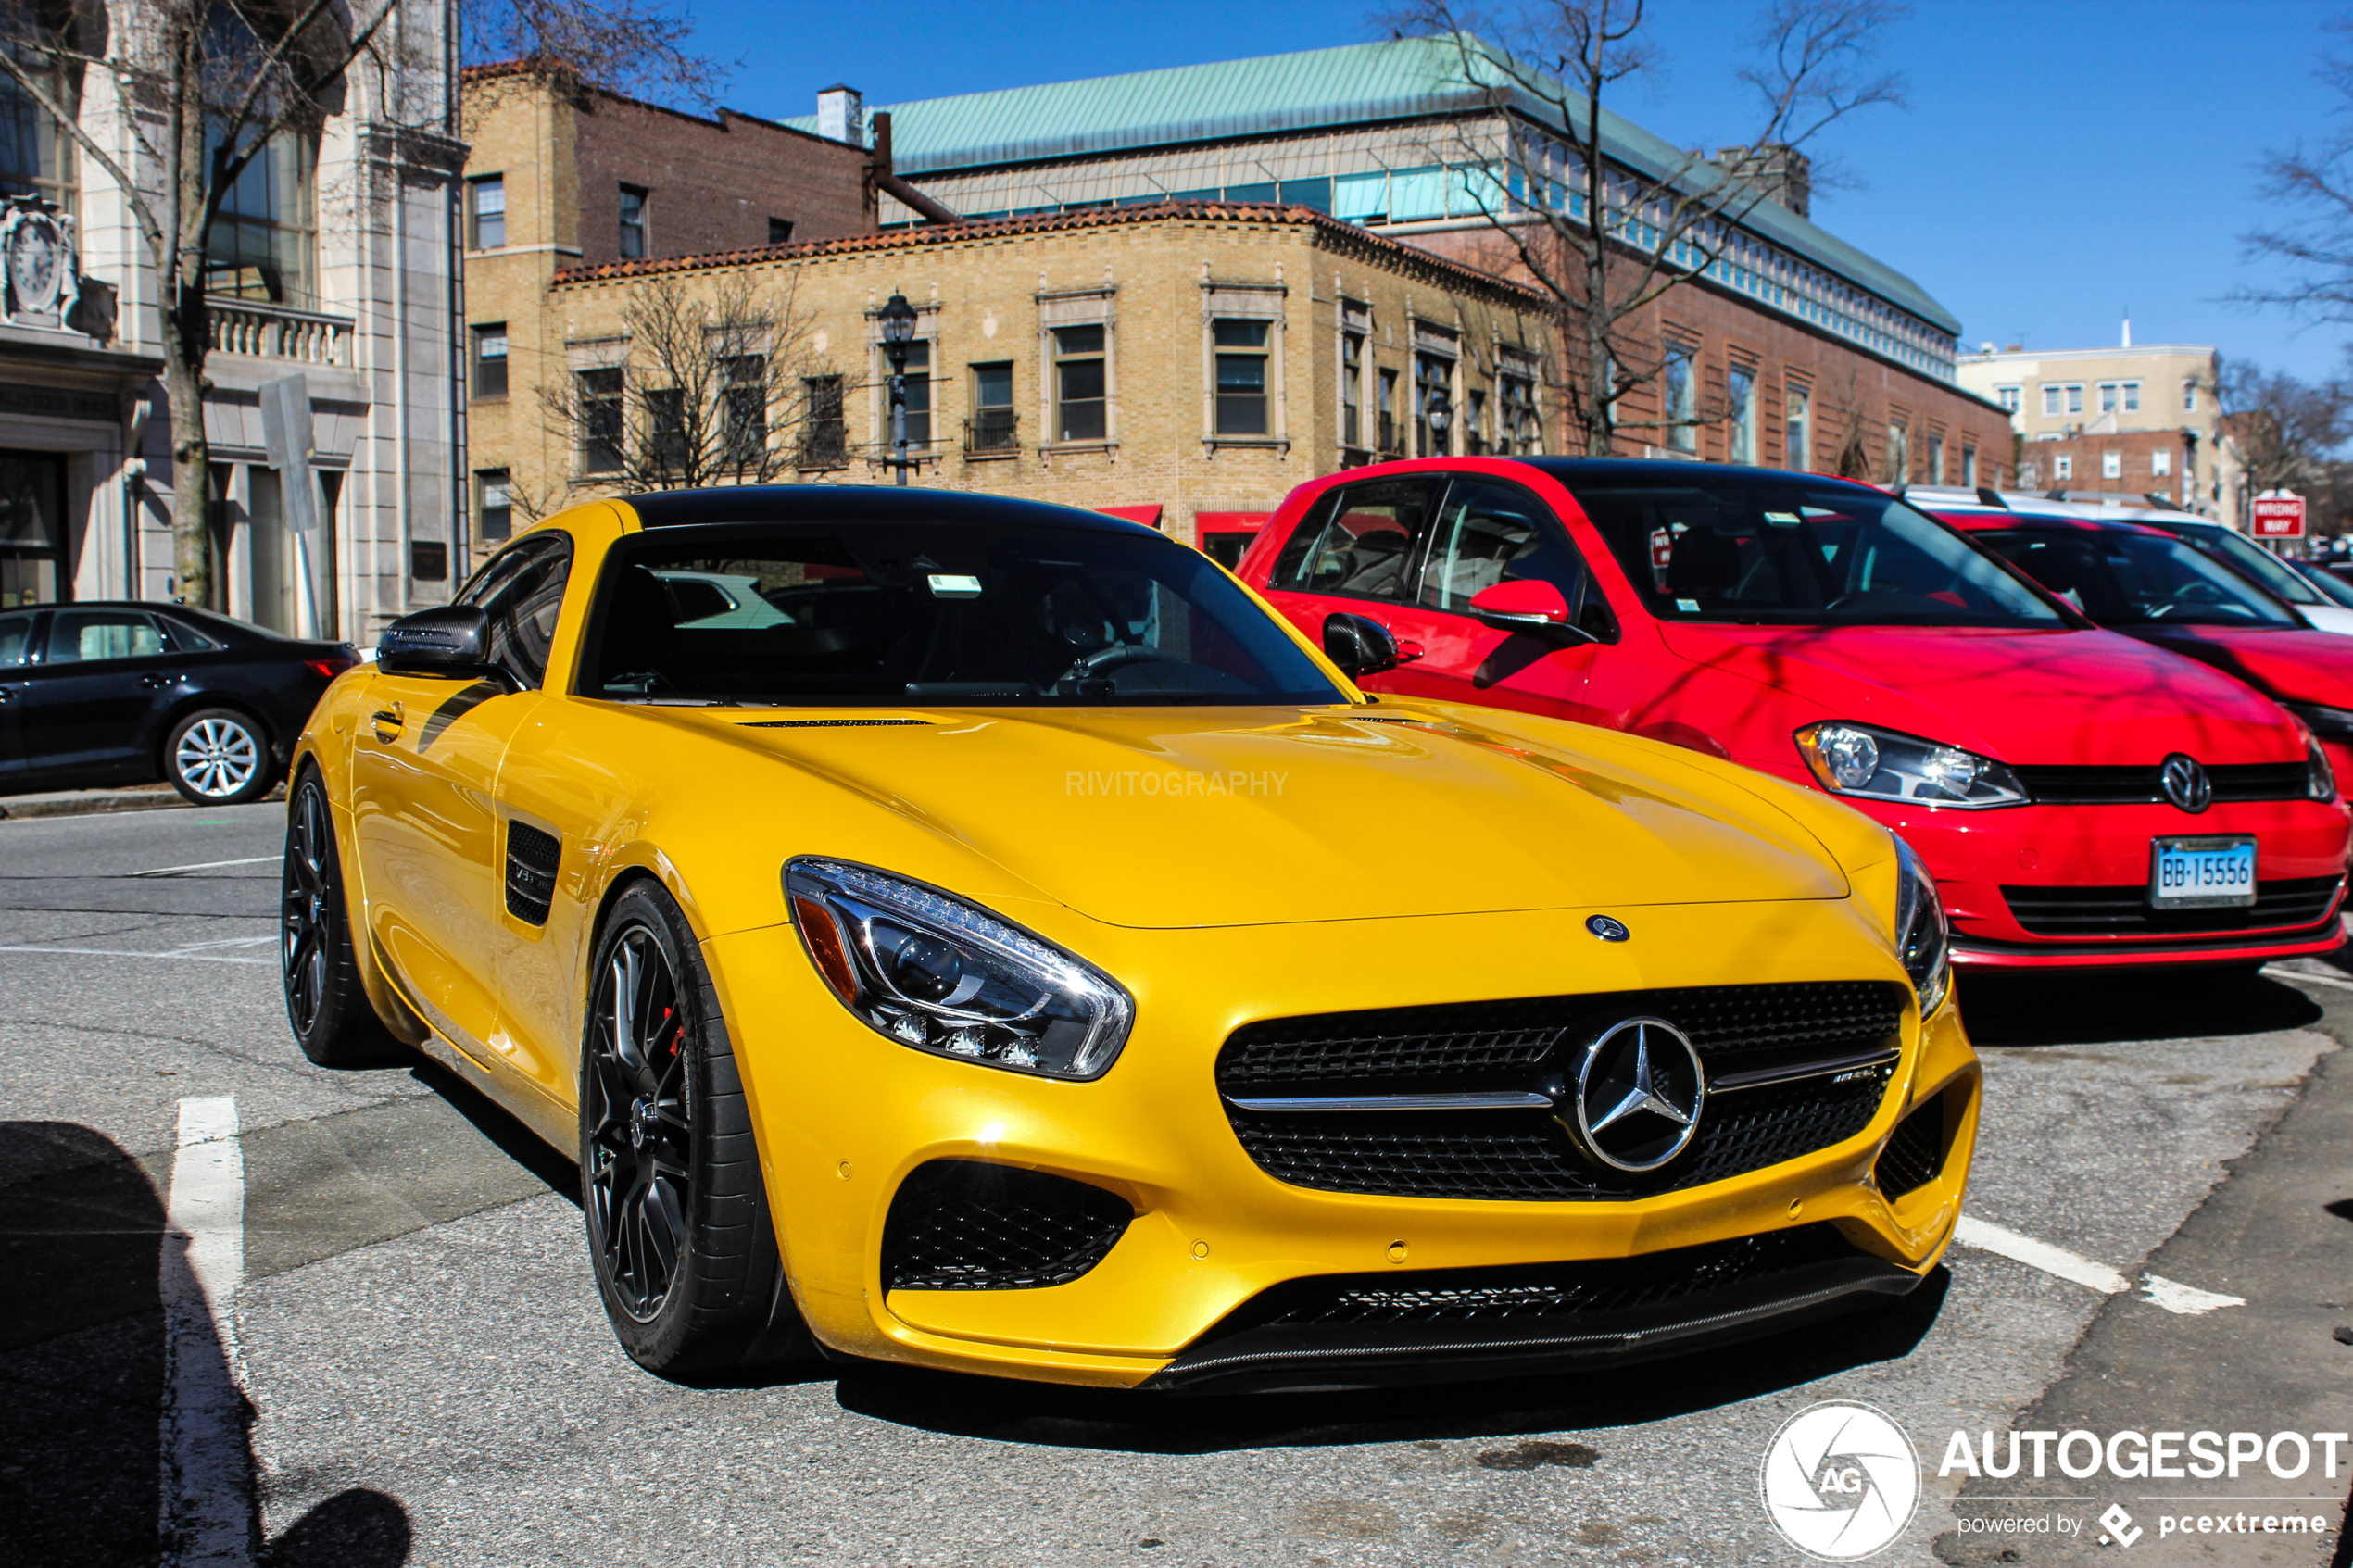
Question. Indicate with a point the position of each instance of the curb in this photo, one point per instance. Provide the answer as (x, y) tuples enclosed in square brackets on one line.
[(89, 803)]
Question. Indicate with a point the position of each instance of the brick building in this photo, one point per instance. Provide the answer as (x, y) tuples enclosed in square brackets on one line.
[(2137, 465), (2138, 420)]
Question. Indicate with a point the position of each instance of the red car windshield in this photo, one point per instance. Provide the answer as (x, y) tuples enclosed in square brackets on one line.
[(1780, 550), (2122, 577)]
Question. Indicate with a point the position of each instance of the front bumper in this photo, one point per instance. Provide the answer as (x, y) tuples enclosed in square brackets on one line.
[(845, 1116)]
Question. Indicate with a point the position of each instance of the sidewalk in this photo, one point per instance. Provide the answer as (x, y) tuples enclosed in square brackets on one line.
[(80, 802)]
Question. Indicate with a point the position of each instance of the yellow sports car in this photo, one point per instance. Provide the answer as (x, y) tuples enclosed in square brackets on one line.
[(998, 942)]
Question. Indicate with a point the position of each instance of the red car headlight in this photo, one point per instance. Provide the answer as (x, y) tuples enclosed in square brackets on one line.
[(1876, 764)]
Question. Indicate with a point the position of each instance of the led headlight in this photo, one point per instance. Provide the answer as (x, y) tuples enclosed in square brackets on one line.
[(2312, 722), (938, 974), (1922, 938), (1883, 765)]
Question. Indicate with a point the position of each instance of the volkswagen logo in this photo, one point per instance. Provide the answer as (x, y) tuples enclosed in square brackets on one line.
[(1605, 928), (2185, 782), (1635, 1103)]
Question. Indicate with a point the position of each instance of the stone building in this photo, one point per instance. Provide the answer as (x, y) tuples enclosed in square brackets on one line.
[(335, 261), (1183, 364), (1796, 348)]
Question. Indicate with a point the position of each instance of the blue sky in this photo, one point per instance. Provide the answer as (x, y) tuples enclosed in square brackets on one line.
[(2058, 162)]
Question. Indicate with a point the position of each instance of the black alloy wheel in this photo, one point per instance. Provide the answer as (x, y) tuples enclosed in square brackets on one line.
[(686, 1255), (326, 1004)]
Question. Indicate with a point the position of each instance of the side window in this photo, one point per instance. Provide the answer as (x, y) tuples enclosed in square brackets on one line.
[(1359, 544), (521, 590), (79, 636), (16, 640), (185, 638), (1489, 534)]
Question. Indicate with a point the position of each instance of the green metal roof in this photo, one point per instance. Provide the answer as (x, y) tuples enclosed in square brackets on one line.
[(1314, 90)]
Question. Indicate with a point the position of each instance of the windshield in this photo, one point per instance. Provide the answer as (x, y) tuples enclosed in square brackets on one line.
[(1780, 550), (2334, 589), (887, 613), (2130, 577), (2274, 574)]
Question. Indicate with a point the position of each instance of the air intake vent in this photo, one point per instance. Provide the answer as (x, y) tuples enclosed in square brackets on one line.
[(964, 1224), (1914, 1152), (532, 858), (829, 723)]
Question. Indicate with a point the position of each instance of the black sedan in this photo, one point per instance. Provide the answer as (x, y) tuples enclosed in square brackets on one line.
[(101, 692)]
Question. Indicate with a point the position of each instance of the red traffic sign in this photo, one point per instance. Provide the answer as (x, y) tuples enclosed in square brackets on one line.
[(2279, 516)]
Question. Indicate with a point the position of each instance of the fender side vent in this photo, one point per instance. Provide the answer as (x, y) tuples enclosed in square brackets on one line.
[(828, 723), (532, 858)]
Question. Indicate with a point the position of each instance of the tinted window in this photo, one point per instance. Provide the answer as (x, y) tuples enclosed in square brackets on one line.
[(78, 636), (2135, 579), (1359, 543), (521, 590), (186, 638), (1489, 534), (1785, 550), (2276, 576), (16, 640), (992, 614)]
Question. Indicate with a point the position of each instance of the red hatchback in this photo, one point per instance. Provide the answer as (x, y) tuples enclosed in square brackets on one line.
[(2082, 798)]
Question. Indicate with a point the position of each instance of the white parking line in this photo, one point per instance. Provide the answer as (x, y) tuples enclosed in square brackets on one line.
[(206, 1476), (134, 953), (2281, 972), (2171, 1295), (205, 866)]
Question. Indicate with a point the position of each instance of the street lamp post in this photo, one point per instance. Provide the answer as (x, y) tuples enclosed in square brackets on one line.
[(1438, 413), (897, 332)]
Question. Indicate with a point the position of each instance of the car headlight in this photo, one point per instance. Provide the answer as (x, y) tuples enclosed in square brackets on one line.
[(1923, 940), (938, 974), (1883, 765), (2312, 722)]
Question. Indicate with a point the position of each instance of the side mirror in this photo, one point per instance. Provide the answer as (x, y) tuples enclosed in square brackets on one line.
[(1359, 646), (452, 640), (1529, 605)]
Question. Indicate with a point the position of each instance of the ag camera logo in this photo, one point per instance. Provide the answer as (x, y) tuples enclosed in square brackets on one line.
[(1840, 1480)]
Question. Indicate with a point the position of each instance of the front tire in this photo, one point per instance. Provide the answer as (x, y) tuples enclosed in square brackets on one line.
[(677, 1214), (326, 1002), (218, 756)]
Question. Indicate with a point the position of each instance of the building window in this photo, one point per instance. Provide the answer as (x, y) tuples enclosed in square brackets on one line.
[(1936, 459), (1241, 377), (600, 419), (780, 231), (2074, 398), (1678, 400), (490, 360), (994, 426), (633, 223), (260, 246), (825, 433), (488, 199), (743, 411), (1475, 426), (1079, 384), (1899, 452), (665, 430), (1519, 436), (2161, 463), (1386, 412), (2189, 397), (2119, 396), (31, 151), (495, 517), (1432, 377), (1351, 389), (2132, 397), (2062, 465), (1740, 414), (2008, 397), (1968, 465), (1800, 417), (2111, 465), (918, 395)]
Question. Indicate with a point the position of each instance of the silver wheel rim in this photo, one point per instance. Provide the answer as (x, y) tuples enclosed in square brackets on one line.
[(216, 756)]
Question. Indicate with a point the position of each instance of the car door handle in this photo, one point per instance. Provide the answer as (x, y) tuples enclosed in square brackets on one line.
[(387, 721)]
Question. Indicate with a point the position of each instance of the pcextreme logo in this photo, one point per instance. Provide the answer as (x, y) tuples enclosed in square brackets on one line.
[(1840, 1480)]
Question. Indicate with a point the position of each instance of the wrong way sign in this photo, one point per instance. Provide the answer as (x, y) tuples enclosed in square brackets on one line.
[(2278, 514)]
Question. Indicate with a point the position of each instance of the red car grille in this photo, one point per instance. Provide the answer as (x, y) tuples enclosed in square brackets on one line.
[(2124, 911), (2141, 787)]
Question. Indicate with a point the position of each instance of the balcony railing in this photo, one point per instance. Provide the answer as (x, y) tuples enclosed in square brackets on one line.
[(274, 331), (993, 429)]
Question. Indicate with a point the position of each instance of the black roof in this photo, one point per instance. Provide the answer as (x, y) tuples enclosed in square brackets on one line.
[(860, 503)]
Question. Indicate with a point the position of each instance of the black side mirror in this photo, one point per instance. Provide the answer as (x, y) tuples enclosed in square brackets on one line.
[(1359, 646), (452, 640)]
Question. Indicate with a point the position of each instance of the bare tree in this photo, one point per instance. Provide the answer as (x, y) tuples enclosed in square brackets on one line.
[(2283, 432), (203, 87), (717, 389), (1556, 62), (2314, 181)]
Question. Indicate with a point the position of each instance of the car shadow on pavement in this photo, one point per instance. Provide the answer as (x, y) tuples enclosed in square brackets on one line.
[(84, 1374), (1593, 1401), (2100, 1006), (502, 1127)]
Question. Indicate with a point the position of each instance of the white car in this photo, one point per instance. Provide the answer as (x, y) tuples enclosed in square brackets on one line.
[(709, 600)]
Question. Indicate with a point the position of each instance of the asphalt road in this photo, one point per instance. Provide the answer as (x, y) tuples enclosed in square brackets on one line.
[(428, 1379)]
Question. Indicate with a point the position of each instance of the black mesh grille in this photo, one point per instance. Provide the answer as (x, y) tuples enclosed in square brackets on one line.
[(962, 1224), (532, 858), (1525, 1155), (1539, 1296), (2070, 785), (1914, 1152), (2124, 911)]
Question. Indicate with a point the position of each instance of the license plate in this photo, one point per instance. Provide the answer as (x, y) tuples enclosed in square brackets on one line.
[(2202, 873)]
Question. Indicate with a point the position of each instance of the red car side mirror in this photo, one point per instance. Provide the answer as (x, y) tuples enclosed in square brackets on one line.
[(1530, 601)]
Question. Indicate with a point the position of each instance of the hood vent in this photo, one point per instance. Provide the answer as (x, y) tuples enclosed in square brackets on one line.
[(532, 858), (828, 723)]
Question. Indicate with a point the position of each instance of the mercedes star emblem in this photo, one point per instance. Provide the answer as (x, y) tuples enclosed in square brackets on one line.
[(2187, 784), (1605, 928), (1638, 1094)]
